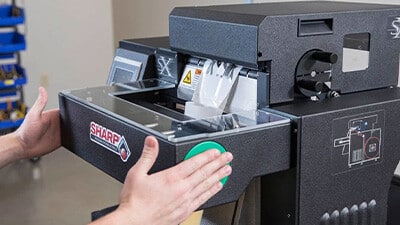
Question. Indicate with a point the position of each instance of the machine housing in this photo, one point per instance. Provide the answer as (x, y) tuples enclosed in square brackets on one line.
[(302, 93)]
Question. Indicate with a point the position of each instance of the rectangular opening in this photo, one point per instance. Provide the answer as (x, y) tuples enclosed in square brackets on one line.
[(356, 52), (315, 27)]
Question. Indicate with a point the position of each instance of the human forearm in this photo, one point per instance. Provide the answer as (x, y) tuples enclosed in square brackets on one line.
[(10, 149)]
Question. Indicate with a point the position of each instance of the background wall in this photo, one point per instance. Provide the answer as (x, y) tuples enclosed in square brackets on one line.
[(140, 18), (69, 45)]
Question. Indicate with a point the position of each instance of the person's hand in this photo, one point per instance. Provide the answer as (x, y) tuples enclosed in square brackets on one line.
[(40, 132), (168, 197)]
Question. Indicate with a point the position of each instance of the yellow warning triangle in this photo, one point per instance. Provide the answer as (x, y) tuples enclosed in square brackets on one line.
[(188, 78)]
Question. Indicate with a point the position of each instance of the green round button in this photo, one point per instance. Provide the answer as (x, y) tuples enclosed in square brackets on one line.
[(204, 146)]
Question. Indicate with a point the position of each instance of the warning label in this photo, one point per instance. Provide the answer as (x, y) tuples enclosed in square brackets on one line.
[(191, 76), (190, 80), (188, 77)]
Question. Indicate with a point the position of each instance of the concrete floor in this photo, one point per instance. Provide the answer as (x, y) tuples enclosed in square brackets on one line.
[(59, 189)]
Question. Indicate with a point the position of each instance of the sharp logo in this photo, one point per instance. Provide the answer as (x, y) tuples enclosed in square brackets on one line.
[(395, 28), (110, 140)]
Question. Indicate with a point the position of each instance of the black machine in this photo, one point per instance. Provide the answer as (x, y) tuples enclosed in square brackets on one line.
[(304, 94)]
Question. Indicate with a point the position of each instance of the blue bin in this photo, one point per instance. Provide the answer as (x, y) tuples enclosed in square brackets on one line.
[(9, 96), (21, 80), (9, 124), (7, 56), (11, 42), (6, 17)]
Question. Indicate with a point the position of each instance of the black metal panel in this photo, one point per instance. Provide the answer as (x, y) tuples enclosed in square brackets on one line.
[(295, 8), (337, 178), (145, 44), (394, 202), (276, 46), (278, 198), (228, 37)]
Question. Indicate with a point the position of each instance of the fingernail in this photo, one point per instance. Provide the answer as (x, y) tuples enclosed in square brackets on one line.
[(219, 185), (149, 143), (229, 156), (217, 153), (227, 169)]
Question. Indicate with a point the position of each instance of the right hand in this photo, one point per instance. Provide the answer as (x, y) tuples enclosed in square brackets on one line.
[(168, 197)]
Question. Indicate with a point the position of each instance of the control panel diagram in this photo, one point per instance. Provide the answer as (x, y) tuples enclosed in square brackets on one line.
[(362, 142)]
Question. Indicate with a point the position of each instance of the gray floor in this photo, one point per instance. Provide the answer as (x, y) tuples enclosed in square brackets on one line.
[(60, 189)]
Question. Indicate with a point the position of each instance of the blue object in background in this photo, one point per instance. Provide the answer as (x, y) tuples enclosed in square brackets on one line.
[(11, 42), (13, 75), (8, 19)]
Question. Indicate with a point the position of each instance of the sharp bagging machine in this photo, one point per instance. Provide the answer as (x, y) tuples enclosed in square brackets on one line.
[(304, 94)]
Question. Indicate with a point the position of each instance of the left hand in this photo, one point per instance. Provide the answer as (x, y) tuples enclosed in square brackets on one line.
[(40, 133)]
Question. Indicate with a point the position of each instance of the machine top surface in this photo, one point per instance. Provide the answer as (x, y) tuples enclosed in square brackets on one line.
[(155, 42), (295, 8)]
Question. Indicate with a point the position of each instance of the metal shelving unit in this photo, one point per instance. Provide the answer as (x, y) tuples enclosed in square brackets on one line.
[(12, 74)]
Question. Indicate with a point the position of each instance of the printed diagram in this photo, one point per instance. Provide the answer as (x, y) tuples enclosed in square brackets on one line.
[(362, 142)]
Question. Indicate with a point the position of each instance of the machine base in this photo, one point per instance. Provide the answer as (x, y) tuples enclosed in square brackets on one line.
[(393, 205)]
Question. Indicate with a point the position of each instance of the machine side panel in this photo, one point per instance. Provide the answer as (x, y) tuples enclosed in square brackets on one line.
[(346, 162), (76, 124)]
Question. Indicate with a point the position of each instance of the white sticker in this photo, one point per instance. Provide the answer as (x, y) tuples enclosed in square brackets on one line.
[(110, 140), (191, 76)]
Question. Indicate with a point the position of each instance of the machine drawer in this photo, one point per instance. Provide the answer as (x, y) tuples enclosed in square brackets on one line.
[(113, 143)]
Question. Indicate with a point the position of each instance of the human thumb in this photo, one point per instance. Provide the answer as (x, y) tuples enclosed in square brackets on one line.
[(149, 155), (40, 103)]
